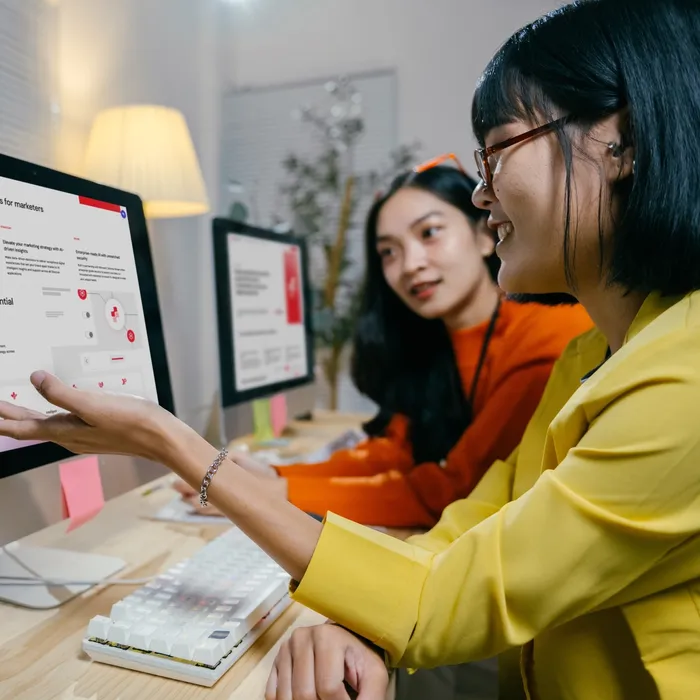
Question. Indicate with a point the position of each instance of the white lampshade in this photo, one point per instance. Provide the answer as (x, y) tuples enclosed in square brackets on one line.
[(148, 150)]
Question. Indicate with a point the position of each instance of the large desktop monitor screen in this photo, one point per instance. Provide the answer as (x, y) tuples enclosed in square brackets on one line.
[(77, 296), (264, 308)]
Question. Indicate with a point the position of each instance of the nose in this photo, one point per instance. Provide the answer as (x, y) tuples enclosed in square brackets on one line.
[(414, 258), (483, 196)]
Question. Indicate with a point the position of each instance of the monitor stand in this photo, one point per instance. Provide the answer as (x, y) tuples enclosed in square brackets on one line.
[(80, 571)]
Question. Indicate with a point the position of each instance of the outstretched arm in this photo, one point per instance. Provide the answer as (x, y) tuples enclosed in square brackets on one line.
[(115, 424)]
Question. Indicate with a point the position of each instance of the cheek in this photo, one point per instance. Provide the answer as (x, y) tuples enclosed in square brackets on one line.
[(392, 276), (532, 187), (460, 262)]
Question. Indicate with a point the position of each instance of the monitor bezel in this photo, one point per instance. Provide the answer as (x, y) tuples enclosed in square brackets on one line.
[(24, 458), (230, 396)]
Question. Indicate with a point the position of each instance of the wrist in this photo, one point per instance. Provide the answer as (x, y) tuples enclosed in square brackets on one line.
[(185, 452)]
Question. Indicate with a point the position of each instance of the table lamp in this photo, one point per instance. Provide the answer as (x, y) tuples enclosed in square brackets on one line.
[(147, 149)]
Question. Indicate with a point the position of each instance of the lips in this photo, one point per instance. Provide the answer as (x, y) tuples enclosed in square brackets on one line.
[(423, 290)]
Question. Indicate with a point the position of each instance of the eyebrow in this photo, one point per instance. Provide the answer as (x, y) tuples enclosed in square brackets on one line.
[(384, 237)]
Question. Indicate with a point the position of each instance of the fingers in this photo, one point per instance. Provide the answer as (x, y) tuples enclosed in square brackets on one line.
[(331, 655), (303, 676), (374, 681), (296, 673), (13, 412), (317, 661), (271, 687), (284, 674), (57, 393), (24, 429), (64, 429)]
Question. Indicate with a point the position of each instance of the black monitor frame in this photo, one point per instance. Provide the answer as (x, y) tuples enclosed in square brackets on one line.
[(29, 457), (230, 396)]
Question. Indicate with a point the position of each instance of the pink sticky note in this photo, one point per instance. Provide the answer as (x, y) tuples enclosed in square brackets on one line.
[(278, 414), (81, 490)]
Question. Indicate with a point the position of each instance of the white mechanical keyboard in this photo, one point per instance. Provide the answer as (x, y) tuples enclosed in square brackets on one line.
[(193, 622)]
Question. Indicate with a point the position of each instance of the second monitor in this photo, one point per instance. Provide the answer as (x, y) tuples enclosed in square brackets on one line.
[(266, 339)]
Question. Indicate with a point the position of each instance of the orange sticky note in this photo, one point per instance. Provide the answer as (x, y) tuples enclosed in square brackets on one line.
[(278, 411), (81, 490)]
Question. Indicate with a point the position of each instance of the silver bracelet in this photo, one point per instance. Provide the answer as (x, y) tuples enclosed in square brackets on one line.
[(206, 481)]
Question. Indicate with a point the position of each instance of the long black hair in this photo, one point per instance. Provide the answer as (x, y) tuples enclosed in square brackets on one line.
[(592, 59), (403, 362)]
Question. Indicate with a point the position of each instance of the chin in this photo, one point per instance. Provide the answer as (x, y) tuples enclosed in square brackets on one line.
[(512, 282), (518, 283), (429, 311), (429, 314)]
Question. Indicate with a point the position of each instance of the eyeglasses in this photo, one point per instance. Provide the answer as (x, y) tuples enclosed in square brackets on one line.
[(484, 156), (434, 162)]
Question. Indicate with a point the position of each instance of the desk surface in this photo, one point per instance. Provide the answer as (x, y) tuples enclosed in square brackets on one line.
[(40, 651)]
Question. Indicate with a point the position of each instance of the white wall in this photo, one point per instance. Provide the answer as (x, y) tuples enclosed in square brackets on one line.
[(167, 52), (156, 51), (439, 48), (163, 52)]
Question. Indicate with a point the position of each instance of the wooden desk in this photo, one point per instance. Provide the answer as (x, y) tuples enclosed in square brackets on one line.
[(40, 651)]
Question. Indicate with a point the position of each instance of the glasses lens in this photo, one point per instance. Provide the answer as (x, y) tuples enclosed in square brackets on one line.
[(480, 166)]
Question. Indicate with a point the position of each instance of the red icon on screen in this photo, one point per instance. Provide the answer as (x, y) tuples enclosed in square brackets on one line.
[(114, 314), (13, 396), (101, 385), (291, 286), (123, 382), (130, 336), (82, 293)]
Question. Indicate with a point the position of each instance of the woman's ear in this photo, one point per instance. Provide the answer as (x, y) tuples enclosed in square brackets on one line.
[(622, 162), (619, 156)]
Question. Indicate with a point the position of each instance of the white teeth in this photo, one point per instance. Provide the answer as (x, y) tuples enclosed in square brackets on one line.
[(504, 230)]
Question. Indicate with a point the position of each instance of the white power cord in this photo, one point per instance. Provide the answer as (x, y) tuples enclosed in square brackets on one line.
[(36, 580)]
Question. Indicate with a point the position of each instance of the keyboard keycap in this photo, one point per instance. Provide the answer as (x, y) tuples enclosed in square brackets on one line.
[(99, 627)]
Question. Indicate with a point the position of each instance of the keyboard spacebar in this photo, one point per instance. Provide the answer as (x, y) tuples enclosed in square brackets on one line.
[(261, 602)]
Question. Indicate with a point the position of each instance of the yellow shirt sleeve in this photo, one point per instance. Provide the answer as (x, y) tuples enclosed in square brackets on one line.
[(625, 494), (490, 495)]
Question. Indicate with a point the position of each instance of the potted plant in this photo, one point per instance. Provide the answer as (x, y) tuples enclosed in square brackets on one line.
[(323, 193)]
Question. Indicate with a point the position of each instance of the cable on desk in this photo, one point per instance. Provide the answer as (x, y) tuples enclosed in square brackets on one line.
[(36, 580)]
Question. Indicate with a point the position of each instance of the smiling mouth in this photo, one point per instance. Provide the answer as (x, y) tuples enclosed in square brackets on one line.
[(504, 230), (423, 290)]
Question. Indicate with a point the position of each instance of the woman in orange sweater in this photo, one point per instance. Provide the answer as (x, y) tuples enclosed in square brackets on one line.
[(456, 369)]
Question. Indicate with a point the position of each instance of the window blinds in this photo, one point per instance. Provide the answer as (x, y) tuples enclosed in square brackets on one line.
[(25, 93)]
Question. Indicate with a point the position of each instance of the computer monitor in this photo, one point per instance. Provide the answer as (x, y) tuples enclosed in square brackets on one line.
[(266, 338), (77, 298)]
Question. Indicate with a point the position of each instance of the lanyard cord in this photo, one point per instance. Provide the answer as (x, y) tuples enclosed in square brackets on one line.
[(484, 350)]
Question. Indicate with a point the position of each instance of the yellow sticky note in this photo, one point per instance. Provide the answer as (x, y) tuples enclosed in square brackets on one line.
[(262, 426)]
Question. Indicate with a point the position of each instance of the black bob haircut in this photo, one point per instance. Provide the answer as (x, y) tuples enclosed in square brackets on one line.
[(589, 60), (403, 362)]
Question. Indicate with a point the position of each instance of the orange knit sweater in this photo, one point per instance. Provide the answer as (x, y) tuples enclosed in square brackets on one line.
[(378, 483)]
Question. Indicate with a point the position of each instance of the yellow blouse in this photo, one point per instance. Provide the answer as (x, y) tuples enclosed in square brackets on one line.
[(595, 564)]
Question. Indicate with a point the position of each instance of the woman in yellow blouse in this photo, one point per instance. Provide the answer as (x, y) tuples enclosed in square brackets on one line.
[(590, 161)]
